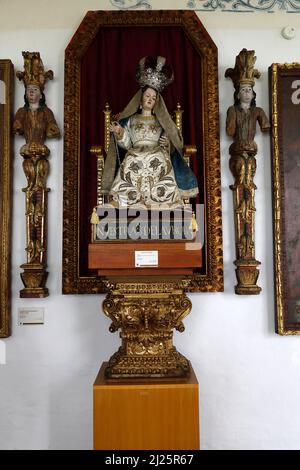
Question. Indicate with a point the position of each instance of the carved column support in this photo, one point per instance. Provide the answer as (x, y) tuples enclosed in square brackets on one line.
[(97, 151), (146, 316), (107, 117), (178, 117), (36, 168), (243, 167)]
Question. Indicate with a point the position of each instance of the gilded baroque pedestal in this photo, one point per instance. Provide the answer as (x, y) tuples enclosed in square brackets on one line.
[(146, 314)]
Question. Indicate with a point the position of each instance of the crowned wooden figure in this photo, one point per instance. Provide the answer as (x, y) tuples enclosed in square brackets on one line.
[(241, 126), (35, 122)]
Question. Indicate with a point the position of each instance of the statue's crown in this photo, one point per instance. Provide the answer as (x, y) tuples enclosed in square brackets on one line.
[(153, 71), (244, 72), (34, 72)]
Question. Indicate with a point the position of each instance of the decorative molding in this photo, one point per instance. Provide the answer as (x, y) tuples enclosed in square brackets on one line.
[(237, 6), (283, 324), (291, 6), (6, 158), (212, 279), (131, 4)]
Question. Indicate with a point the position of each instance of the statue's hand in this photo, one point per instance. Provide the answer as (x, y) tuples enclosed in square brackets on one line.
[(53, 130), (116, 128), (164, 142), (18, 128)]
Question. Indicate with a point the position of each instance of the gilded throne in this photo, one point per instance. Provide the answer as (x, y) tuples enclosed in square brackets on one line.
[(190, 151)]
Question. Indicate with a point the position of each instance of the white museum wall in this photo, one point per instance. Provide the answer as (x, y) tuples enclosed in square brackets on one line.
[(249, 376)]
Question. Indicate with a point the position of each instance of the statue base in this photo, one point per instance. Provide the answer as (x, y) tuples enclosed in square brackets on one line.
[(34, 279), (123, 365), (146, 314), (247, 275), (146, 414)]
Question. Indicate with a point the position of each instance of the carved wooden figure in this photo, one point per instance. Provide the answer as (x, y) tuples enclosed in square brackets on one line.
[(241, 122), (36, 122)]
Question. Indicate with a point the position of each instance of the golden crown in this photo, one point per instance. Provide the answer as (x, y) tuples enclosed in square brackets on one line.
[(34, 72)]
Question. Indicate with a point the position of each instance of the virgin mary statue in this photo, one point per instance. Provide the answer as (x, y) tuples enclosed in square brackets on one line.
[(152, 173)]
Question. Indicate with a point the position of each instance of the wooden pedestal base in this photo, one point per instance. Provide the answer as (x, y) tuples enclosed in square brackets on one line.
[(140, 415), (34, 279), (247, 274), (175, 257)]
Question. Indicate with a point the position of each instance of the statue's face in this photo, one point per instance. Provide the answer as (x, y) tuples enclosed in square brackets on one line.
[(33, 94), (149, 99), (246, 94)]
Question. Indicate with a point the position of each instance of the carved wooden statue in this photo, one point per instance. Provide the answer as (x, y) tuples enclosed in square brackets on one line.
[(36, 122), (145, 312), (153, 171), (241, 122)]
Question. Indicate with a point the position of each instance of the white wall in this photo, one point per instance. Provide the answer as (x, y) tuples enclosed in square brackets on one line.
[(249, 376)]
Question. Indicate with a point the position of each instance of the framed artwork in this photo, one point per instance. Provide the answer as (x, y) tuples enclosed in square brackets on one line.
[(6, 156), (100, 65), (285, 111)]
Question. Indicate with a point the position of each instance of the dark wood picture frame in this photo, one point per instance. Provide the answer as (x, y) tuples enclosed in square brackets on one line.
[(285, 112), (6, 158), (212, 278)]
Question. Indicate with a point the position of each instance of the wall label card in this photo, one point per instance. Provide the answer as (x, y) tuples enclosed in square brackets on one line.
[(30, 316), (146, 258)]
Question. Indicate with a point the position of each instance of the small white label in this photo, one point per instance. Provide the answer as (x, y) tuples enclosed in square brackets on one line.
[(30, 316), (2, 92), (2, 352), (146, 258)]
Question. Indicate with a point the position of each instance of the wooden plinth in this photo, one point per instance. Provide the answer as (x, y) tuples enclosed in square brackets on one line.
[(155, 415), (173, 257)]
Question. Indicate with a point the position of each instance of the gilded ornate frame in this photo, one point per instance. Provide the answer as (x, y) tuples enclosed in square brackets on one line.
[(6, 158), (212, 280), (284, 145)]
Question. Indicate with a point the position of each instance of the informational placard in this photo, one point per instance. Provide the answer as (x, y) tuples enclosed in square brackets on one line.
[(30, 316), (146, 258)]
